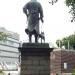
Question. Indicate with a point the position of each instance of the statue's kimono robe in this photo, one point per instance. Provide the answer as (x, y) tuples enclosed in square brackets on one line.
[(34, 12)]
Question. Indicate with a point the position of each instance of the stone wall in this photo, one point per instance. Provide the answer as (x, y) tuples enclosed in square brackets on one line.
[(35, 65)]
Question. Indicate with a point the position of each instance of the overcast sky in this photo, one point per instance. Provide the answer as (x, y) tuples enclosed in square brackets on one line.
[(56, 19)]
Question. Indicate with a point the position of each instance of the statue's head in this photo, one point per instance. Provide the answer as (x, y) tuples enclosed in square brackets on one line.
[(34, 0)]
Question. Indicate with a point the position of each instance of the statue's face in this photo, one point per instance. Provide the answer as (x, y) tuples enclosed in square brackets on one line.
[(34, 0)]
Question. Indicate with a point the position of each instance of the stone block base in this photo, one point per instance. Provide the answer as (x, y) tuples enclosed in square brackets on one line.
[(35, 59)]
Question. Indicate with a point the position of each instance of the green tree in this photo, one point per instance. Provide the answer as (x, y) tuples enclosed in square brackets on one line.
[(67, 40), (71, 5), (1, 71), (59, 43), (3, 36)]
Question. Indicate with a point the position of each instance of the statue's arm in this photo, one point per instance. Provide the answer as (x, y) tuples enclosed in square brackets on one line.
[(25, 8), (41, 12)]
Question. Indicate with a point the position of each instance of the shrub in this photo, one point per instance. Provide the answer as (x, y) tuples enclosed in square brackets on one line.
[(73, 72)]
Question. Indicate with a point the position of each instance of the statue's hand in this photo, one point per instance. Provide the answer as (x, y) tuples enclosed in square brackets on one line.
[(42, 20), (27, 15)]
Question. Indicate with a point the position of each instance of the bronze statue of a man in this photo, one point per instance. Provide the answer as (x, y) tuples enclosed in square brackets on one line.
[(34, 13)]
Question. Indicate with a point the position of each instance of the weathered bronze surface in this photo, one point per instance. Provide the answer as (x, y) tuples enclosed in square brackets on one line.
[(34, 13)]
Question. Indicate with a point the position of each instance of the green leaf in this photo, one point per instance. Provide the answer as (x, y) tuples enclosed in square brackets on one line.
[(3, 36)]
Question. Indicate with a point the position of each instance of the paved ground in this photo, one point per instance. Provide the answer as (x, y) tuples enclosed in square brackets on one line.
[(11, 73)]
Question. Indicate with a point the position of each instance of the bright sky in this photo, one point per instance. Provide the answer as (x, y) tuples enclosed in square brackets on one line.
[(56, 19)]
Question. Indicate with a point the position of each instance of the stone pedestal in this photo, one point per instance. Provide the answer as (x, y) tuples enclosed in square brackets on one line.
[(35, 59)]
